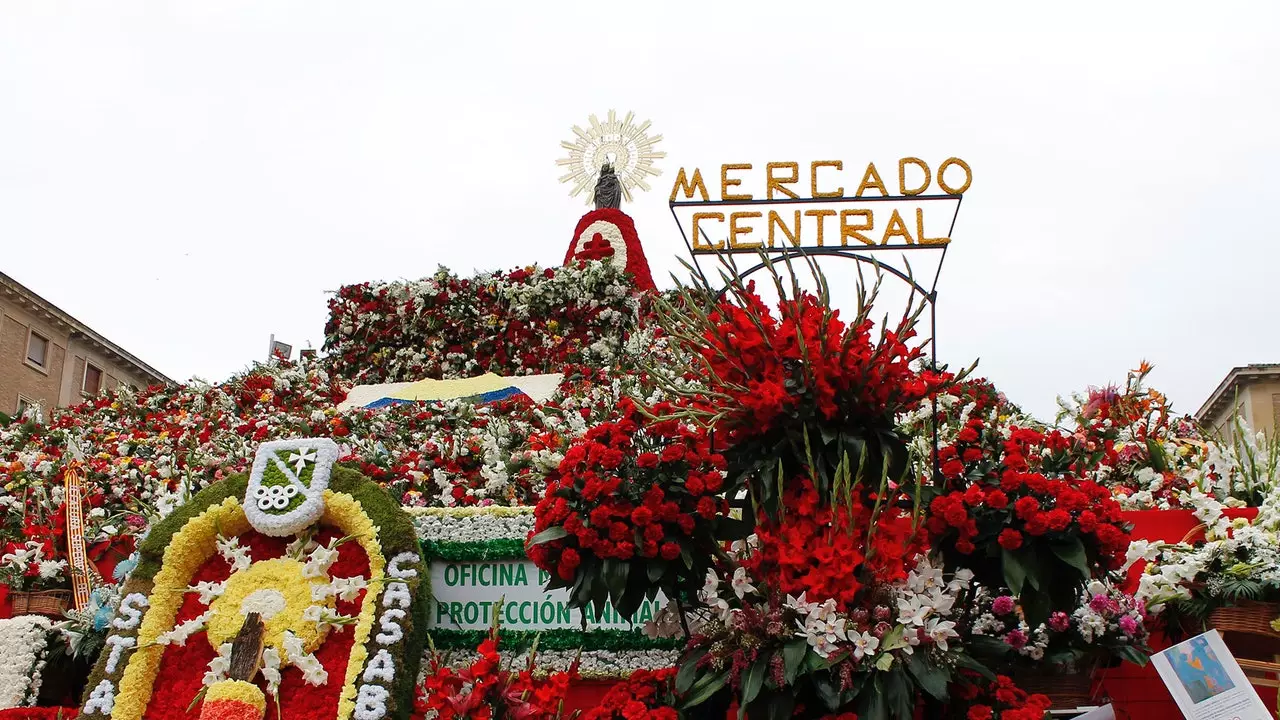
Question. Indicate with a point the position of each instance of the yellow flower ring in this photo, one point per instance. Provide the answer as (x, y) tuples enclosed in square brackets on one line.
[(177, 547), (279, 592)]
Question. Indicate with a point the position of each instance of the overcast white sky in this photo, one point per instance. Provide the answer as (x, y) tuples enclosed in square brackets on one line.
[(188, 178)]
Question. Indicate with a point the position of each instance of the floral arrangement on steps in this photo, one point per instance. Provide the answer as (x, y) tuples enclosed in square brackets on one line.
[(150, 450), (522, 322), (1232, 575), (24, 645)]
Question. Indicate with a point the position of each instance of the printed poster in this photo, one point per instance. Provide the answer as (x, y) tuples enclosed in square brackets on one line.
[(1206, 681)]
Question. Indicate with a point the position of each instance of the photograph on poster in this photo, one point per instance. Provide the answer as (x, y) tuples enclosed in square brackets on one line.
[(1199, 669), (1206, 681)]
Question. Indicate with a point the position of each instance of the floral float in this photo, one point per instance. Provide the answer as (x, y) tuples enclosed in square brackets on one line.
[(322, 555)]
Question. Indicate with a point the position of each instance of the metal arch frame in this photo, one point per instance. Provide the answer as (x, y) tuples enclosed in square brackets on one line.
[(787, 254), (784, 254)]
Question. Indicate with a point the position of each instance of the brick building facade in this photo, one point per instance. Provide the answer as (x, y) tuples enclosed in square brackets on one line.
[(49, 358)]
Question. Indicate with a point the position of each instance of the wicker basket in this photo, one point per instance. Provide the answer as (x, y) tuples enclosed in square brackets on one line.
[(1067, 689), (41, 602), (1250, 618)]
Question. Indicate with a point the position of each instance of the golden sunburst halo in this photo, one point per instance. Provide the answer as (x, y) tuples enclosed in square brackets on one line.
[(624, 144)]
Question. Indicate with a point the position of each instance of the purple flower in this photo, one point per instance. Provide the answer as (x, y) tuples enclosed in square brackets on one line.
[(1016, 639), (1002, 605), (1060, 622)]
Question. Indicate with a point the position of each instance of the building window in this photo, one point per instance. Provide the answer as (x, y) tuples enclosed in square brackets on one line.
[(37, 349), (24, 404), (92, 379)]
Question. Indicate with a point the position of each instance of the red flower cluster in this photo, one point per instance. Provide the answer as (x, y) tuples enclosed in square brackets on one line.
[(482, 691), (39, 713), (807, 363), (825, 552), (646, 695), (1001, 700), (1007, 501), (528, 320), (629, 490)]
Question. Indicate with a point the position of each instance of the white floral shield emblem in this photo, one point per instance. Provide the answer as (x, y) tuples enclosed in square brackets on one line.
[(287, 484)]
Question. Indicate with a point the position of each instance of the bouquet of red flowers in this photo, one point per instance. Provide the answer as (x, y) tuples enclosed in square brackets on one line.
[(999, 700), (801, 392), (822, 551), (646, 694), (483, 691), (1018, 516), (637, 504)]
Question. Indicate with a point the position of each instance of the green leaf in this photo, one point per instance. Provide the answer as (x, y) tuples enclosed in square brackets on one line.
[(893, 639), (987, 646), (899, 695), (555, 532), (1132, 654), (688, 672), (702, 690), (875, 708), (752, 679), (968, 663), (884, 662), (827, 692), (655, 569), (615, 573), (1158, 461), (1071, 552), (931, 678), (1015, 574), (792, 655), (633, 595)]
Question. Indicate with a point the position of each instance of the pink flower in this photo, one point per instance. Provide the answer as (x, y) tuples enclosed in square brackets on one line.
[(1016, 639), (1060, 622), (1002, 605), (1129, 625)]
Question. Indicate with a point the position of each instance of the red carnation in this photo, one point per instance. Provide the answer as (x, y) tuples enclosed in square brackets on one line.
[(1010, 539), (1059, 519), (1027, 507), (648, 460), (642, 516), (670, 551), (1088, 521), (979, 712)]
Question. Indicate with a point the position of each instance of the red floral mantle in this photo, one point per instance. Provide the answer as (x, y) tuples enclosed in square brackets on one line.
[(596, 246)]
